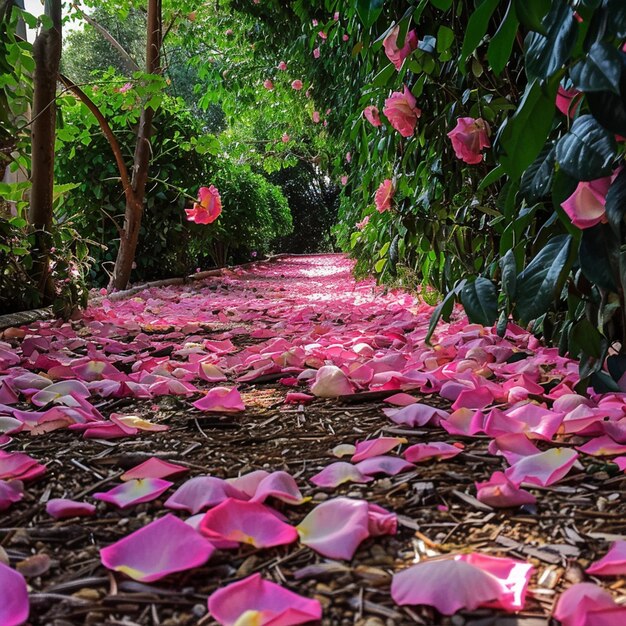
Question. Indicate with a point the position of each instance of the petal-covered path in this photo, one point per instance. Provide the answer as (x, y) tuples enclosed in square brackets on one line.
[(279, 444)]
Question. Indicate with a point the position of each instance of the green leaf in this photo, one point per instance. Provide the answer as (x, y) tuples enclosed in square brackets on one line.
[(609, 109), (496, 174), (524, 134), (600, 70), (616, 202), (382, 78), (537, 282), (530, 13), (616, 13), (443, 309), (598, 255), (442, 5), (587, 152), (480, 301), (445, 38), (476, 28), (508, 267), (501, 44), (369, 11), (537, 179), (545, 54)]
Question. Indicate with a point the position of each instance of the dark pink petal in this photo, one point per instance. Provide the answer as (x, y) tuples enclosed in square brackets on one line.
[(612, 564), (295, 397), (464, 422), (602, 446), (154, 468), (389, 465), (544, 468), (11, 491), (339, 473), (201, 492), (499, 492), (435, 449), (162, 547), (258, 602), (60, 508), (375, 447), (473, 399), (14, 607), (221, 400), (336, 528), (246, 522), (134, 492), (380, 521), (279, 485)]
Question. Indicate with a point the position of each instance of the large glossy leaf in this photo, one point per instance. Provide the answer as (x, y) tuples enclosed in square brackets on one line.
[(608, 107), (524, 134), (476, 28), (531, 14), (587, 152), (600, 70), (508, 267), (369, 11), (616, 17), (598, 255), (538, 282), (537, 179), (616, 202), (545, 54), (443, 309), (501, 43), (480, 301)]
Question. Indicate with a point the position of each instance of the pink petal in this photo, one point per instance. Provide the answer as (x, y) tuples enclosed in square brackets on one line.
[(162, 547), (221, 400), (375, 447), (436, 449), (14, 606), (473, 399), (263, 603), (415, 415), (602, 446), (389, 465), (578, 603), (211, 373), (464, 422), (513, 446), (61, 393), (331, 382), (279, 485), (134, 492), (246, 522), (612, 564), (544, 468), (295, 397), (201, 492), (400, 399), (499, 492), (336, 528), (380, 521), (248, 483), (60, 508), (345, 449), (154, 468), (11, 491), (339, 473)]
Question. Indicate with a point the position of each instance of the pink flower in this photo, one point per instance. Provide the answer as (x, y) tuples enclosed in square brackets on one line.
[(348, 157), (307, 93), (296, 84), (325, 122), (316, 53), (383, 196), (208, 209), (469, 137), (346, 37), (397, 55), (328, 111), (402, 112), (336, 16), (314, 22), (568, 101), (344, 180), (285, 138), (282, 66), (363, 223), (316, 117), (126, 87), (322, 35), (372, 115), (586, 206), (268, 84)]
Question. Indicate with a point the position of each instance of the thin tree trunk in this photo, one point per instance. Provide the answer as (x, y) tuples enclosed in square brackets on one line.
[(141, 161), (47, 56)]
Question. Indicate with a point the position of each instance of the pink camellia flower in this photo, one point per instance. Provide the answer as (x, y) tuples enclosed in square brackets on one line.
[(14, 605), (296, 84), (282, 66), (568, 101), (390, 44), (316, 117), (345, 37), (208, 209), (586, 206), (344, 180), (322, 35), (469, 137), (384, 195), (285, 138), (314, 22), (363, 223), (316, 53), (268, 84), (261, 602), (402, 112), (348, 157), (328, 111), (371, 114), (336, 16)]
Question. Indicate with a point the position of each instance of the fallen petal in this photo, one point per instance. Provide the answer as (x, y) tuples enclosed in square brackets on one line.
[(339, 473), (221, 400), (612, 564), (154, 468), (134, 492), (14, 607), (375, 447), (60, 508)]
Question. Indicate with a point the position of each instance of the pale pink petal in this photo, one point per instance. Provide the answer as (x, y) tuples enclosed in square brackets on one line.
[(339, 473), (257, 602), (380, 521), (14, 606), (544, 468), (344, 449), (246, 522), (11, 491), (612, 564), (389, 465), (473, 399), (375, 447), (336, 528), (201, 492), (279, 485), (162, 547), (499, 492), (60, 508), (62, 393), (221, 400), (464, 422), (576, 603), (435, 449), (513, 446), (154, 468), (134, 492), (331, 382), (602, 446), (211, 373), (415, 415), (400, 399), (248, 483)]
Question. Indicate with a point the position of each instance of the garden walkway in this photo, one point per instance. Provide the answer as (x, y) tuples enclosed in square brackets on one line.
[(317, 363)]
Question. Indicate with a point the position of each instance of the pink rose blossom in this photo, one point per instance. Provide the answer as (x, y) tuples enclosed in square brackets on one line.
[(296, 84), (397, 55), (469, 137), (383, 196), (402, 112), (316, 117), (363, 223), (208, 209), (282, 66), (346, 37), (586, 206), (316, 53), (268, 84), (372, 115)]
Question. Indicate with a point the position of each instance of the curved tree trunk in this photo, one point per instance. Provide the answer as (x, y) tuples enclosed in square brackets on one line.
[(47, 56)]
